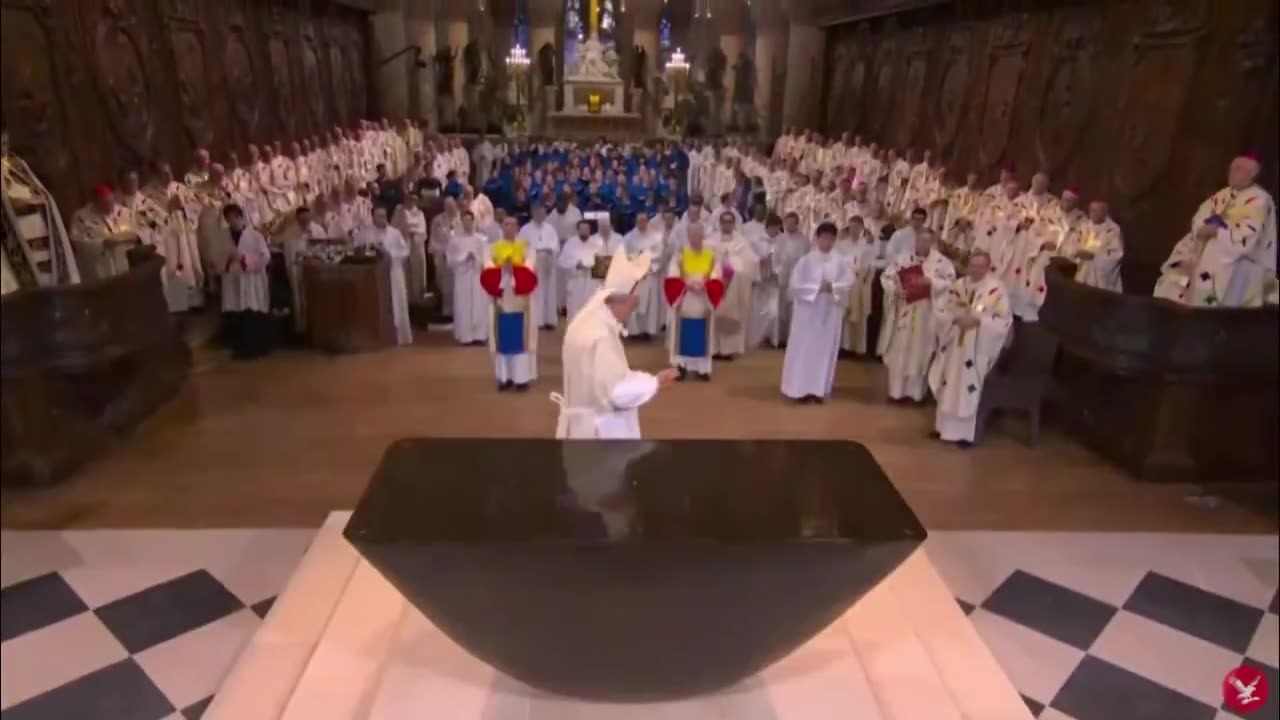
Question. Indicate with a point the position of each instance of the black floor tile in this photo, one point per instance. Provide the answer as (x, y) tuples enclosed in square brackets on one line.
[(1098, 690), (1197, 612), (165, 611), (35, 603), (1035, 707), (117, 692), (262, 607), (1050, 609), (967, 607), (1270, 708), (195, 711)]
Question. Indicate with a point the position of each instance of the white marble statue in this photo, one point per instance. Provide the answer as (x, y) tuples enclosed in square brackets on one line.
[(594, 61)]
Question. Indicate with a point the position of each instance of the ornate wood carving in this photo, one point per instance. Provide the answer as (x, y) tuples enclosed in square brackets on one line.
[(1069, 90), (838, 91), (857, 82), (886, 60), (917, 58), (242, 82), (1164, 59), (338, 76), (312, 84), (31, 99), (119, 46), (1008, 59), (953, 92), (282, 90), (187, 42)]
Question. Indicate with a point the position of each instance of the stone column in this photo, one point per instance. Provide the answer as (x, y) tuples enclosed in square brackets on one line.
[(422, 32), (458, 34), (544, 24), (770, 57), (644, 16), (806, 44), (388, 32), (730, 18)]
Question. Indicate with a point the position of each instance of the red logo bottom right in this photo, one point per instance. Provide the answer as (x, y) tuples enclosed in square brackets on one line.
[(1244, 690)]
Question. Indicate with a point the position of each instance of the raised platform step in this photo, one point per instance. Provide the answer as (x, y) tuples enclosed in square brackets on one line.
[(342, 644)]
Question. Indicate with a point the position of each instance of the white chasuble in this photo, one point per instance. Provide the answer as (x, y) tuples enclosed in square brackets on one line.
[(860, 255), (651, 311), (966, 355), (466, 256), (912, 342), (602, 394), (397, 250), (1237, 267), (543, 239), (819, 289)]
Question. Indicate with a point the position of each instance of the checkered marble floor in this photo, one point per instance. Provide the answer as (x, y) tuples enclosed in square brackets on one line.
[(143, 625)]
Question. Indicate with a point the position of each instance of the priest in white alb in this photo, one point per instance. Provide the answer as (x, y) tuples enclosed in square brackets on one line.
[(859, 248), (1097, 249), (543, 240), (646, 240), (914, 280), (382, 235), (467, 255), (576, 263), (819, 289), (602, 394), (973, 322), (740, 268)]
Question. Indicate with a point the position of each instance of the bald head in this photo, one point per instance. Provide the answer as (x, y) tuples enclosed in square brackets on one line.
[(1243, 172), (1039, 183)]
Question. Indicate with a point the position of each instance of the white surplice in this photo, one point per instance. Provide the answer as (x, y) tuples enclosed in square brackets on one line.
[(577, 257), (817, 321), (466, 255), (545, 242), (912, 343), (243, 266), (397, 250), (965, 356)]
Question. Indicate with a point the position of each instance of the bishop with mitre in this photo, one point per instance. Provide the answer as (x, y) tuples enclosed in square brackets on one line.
[(602, 394), (509, 277)]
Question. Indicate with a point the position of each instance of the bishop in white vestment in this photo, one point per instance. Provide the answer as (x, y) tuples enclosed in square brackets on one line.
[(974, 321), (1229, 258), (602, 394), (1097, 249), (819, 288), (468, 254), (914, 280), (101, 234), (412, 224)]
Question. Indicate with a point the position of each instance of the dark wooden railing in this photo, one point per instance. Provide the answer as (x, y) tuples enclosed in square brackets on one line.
[(82, 365)]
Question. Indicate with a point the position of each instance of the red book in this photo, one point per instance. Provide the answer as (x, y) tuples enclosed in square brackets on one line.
[(909, 278)]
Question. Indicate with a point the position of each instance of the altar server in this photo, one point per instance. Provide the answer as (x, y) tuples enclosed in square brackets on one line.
[(389, 239), (577, 261), (693, 288), (974, 321), (819, 289), (541, 237), (467, 255), (602, 394), (510, 280), (645, 240), (913, 280), (241, 256)]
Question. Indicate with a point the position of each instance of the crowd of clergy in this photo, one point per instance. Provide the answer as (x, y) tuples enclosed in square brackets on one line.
[(742, 248)]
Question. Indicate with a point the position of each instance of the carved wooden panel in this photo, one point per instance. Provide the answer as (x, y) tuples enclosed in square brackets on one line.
[(1139, 102), (95, 86)]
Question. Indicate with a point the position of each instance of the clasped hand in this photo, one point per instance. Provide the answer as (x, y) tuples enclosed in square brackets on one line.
[(968, 321)]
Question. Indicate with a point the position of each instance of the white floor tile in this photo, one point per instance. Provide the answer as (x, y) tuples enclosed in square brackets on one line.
[(190, 667), (1037, 664), (53, 656), (1219, 566), (969, 572), (1266, 642), (1172, 658), (25, 554), (261, 566), (1051, 714), (100, 584)]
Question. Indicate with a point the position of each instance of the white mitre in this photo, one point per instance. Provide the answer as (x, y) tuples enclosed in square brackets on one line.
[(625, 273)]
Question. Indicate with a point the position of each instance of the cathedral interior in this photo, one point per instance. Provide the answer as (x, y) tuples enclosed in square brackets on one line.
[(159, 499)]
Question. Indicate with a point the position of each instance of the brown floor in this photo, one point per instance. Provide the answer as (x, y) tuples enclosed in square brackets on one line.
[(282, 441)]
